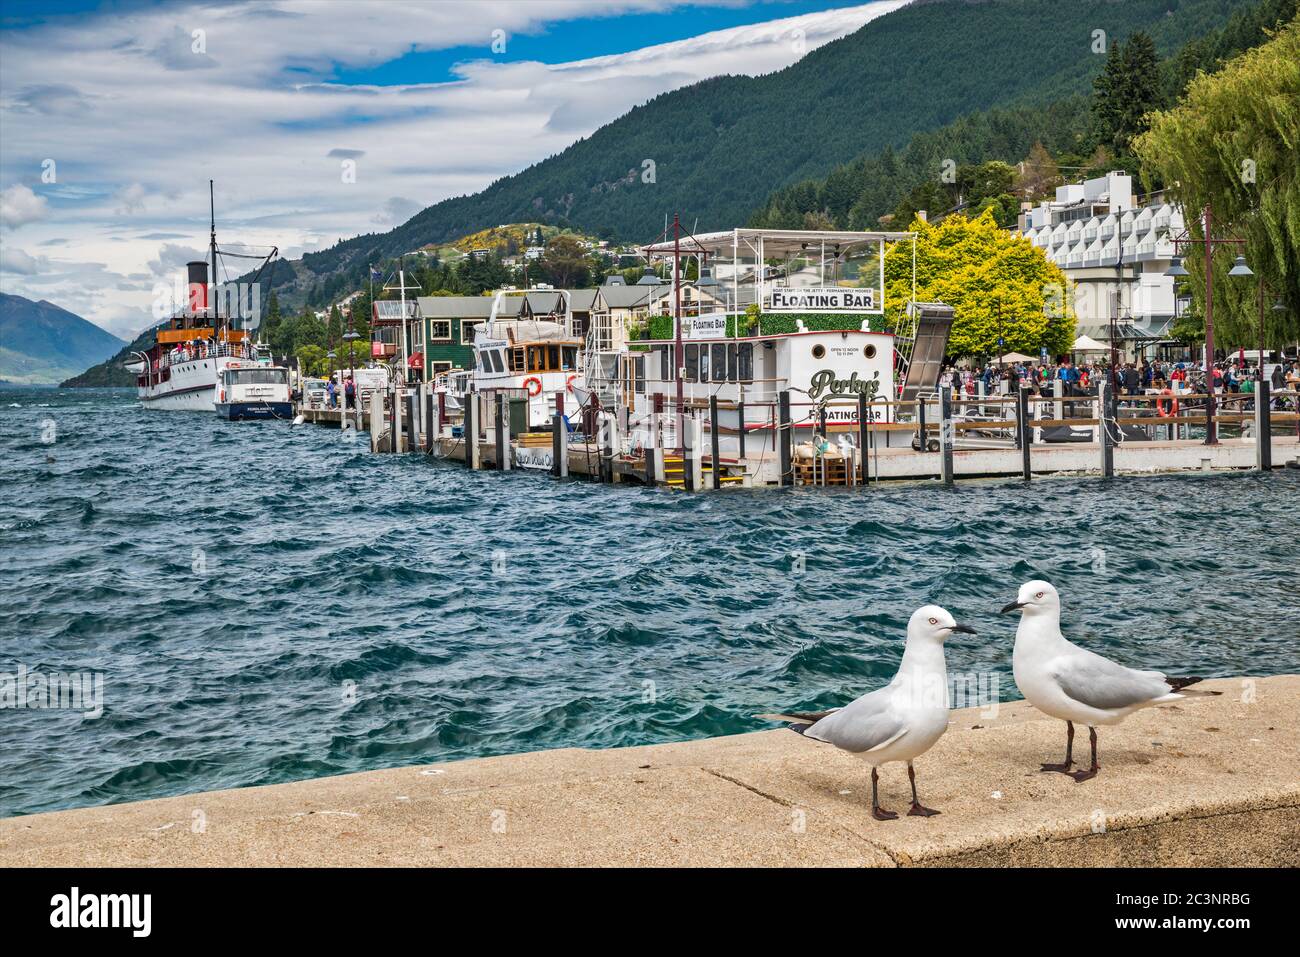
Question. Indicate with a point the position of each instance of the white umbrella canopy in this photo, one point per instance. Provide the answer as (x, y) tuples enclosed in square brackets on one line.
[(1016, 357), (1088, 344)]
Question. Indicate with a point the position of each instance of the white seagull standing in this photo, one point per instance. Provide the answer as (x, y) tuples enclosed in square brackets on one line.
[(900, 721), (1065, 681)]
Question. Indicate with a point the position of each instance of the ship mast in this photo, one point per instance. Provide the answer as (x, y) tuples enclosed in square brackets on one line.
[(212, 243)]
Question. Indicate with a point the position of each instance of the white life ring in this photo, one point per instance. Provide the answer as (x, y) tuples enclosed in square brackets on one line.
[(533, 385)]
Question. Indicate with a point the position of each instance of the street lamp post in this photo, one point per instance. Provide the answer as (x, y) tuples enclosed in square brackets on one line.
[(1239, 268), (351, 337)]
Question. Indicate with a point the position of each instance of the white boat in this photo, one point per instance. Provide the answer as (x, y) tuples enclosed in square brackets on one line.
[(183, 371), (524, 352)]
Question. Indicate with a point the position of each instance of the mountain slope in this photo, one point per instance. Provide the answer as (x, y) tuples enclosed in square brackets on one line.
[(720, 145), (856, 194), (110, 372), (41, 343)]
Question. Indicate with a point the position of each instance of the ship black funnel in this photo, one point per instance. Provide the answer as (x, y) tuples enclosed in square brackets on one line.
[(197, 291)]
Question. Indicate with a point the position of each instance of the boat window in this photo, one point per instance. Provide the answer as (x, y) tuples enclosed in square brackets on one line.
[(552, 358), (692, 363), (493, 359), (257, 376), (704, 363), (665, 363), (745, 362), (639, 372), (719, 363), (570, 354)]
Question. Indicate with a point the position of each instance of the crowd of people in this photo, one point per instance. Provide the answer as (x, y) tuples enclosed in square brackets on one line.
[(1142, 377)]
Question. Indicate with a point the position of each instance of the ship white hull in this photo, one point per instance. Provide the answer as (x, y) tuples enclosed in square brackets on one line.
[(191, 387)]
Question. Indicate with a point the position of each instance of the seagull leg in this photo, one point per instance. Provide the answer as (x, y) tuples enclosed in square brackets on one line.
[(878, 812), (1064, 767), (1081, 776), (917, 809)]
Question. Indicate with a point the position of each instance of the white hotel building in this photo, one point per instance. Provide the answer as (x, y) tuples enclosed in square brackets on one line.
[(1114, 252)]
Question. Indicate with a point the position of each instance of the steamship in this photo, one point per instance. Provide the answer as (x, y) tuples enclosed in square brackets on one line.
[(200, 362)]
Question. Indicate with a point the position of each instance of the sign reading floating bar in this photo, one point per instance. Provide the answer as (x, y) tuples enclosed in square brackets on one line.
[(709, 326), (821, 299)]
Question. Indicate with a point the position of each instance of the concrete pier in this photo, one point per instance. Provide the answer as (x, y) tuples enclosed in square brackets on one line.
[(1206, 781)]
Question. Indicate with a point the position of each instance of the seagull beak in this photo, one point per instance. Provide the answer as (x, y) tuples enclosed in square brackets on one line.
[(964, 629), (1011, 606)]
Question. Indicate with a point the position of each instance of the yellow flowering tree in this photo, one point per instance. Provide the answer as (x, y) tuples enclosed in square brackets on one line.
[(999, 285)]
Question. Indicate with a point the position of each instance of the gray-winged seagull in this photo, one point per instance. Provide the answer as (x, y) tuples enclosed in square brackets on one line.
[(1065, 681), (900, 721)]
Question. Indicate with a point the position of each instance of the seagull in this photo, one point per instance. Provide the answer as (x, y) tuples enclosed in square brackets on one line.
[(1071, 683), (900, 721)]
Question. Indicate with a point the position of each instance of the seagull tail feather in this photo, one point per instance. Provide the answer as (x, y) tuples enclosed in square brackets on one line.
[(796, 721), (1178, 684)]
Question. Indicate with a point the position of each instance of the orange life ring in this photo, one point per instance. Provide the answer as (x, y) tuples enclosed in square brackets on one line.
[(568, 384), (1167, 407), (533, 385)]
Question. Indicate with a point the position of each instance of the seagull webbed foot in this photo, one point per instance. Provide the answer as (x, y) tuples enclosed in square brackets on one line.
[(880, 814), (1081, 776), (1063, 767), (919, 811)]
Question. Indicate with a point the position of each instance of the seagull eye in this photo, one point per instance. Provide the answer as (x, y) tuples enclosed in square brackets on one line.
[(934, 621), (1039, 595)]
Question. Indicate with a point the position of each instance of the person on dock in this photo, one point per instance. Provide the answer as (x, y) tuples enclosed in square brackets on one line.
[(349, 393), (329, 393)]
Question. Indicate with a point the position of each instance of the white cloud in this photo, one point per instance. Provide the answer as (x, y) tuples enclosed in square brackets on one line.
[(259, 112), (19, 206), (15, 260)]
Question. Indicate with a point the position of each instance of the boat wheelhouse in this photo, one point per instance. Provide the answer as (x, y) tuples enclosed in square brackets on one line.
[(526, 350)]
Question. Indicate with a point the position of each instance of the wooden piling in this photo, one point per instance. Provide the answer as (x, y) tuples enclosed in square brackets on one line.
[(1024, 432), (784, 436), (715, 443), (559, 446), (1263, 426), (1106, 416), (945, 435)]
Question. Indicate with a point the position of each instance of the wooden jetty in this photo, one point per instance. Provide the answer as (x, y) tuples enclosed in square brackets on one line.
[(1008, 436)]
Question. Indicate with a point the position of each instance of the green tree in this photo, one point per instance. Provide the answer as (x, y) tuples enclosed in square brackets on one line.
[(997, 283), (565, 262), (1231, 144), (1128, 88)]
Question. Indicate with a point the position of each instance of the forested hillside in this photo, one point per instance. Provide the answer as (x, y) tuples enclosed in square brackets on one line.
[(718, 144), (1081, 133)]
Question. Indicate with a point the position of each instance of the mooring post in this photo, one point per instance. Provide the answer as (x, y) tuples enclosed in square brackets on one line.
[(1263, 425), (499, 428), (920, 424), (740, 418), (412, 421), (1024, 433), (607, 426), (1058, 389), (395, 436), (784, 437), (652, 452), (559, 446), (471, 429), (376, 419), (864, 434), (1106, 420), (432, 425), (715, 443), (945, 436)]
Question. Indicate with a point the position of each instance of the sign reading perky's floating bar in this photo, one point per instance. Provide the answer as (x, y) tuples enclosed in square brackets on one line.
[(821, 299)]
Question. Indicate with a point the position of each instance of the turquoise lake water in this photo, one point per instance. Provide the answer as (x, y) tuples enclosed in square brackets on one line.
[(268, 603)]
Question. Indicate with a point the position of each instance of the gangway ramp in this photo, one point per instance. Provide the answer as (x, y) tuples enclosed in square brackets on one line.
[(932, 322)]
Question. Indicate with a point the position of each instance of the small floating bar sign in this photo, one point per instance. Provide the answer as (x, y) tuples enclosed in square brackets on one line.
[(822, 299), (712, 325)]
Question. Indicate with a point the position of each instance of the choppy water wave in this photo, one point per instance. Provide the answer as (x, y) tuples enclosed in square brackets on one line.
[(270, 603)]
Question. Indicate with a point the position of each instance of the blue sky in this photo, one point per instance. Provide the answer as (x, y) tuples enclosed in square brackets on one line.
[(318, 119)]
